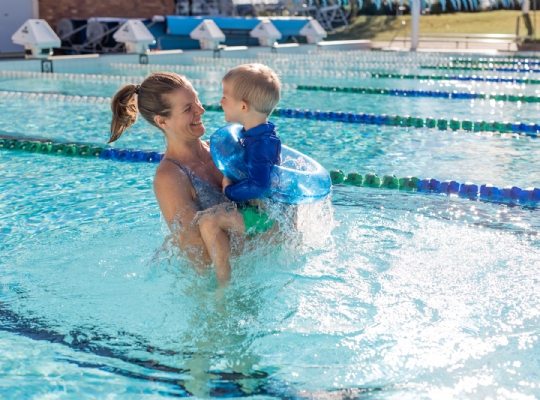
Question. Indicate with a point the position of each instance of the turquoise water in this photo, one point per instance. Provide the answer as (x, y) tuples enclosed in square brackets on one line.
[(385, 294)]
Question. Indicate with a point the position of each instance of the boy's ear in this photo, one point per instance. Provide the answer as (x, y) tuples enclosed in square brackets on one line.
[(245, 106)]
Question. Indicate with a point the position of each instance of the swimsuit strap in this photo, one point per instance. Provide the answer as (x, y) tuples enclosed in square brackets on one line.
[(190, 174), (187, 171), (207, 195)]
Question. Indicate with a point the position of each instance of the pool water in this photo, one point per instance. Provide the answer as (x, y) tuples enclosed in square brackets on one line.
[(347, 102), (383, 294)]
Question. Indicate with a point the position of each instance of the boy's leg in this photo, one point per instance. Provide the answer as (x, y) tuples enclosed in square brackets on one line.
[(215, 228)]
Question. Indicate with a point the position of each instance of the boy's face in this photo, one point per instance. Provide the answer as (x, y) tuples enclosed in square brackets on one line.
[(231, 106)]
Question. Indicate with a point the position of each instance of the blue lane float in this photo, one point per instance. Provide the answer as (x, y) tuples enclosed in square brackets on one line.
[(130, 155), (298, 180)]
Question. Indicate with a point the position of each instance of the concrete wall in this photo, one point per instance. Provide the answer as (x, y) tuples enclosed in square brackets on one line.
[(53, 10), (13, 13)]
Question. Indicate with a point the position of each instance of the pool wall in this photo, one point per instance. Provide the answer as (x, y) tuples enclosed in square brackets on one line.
[(63, 64)]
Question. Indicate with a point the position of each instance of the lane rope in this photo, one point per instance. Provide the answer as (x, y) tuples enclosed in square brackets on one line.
[(486, 192), (122, 79), (43, 146), (520, 128), (425, 93), (333, 73)]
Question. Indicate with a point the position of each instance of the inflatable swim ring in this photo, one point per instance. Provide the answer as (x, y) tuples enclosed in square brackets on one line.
[(298, 180)]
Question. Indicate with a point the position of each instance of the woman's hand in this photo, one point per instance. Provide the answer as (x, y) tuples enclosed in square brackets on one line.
[(225, 182)]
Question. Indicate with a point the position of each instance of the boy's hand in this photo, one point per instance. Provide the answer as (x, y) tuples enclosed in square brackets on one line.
[(225, 182)]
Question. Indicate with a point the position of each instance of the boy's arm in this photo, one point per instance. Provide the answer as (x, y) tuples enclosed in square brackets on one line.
[(261, 156)]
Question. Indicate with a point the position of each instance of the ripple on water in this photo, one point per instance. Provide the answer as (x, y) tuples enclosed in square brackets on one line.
[(408, 295)]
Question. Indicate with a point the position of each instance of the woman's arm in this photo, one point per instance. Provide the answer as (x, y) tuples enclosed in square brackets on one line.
[(176, 197)]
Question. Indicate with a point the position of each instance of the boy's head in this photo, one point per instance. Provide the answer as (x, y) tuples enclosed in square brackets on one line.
[(248, 88)]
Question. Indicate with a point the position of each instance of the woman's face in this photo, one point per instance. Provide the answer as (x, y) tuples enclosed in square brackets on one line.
[(185, 119)]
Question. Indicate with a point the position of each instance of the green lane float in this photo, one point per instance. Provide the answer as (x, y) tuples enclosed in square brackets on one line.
[(46, 147), (337, 176), (408, 183), (372, 180), (467, 125), (431, 122), (35, 147), (58, 148), (354, 179), (442, 124), (455, 125), (390, 182)]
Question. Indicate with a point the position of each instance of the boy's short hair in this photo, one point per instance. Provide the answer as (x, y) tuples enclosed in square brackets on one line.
[(256, 84)]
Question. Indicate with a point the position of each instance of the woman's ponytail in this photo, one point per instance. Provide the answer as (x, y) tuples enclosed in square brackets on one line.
[(149, 98), (125, 110)]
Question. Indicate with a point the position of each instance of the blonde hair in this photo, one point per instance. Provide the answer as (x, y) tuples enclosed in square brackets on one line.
[(256, 84), (148, 98)]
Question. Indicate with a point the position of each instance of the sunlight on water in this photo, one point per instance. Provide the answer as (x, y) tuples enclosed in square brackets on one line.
[(401, 293), (373, 293)]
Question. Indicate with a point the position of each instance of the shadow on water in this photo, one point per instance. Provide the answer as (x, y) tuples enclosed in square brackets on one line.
[(212, 354), (198, 378), (218, 383), (197, 350)]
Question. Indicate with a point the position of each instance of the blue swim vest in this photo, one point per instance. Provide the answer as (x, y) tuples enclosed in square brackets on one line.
[(298, 180)]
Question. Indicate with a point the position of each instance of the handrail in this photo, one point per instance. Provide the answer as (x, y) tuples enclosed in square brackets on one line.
[(403, 23), (476, 35), (73, 32), (455, 39), (98, 38)]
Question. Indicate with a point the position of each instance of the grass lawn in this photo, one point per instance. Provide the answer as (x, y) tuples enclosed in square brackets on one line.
[(384, 27)]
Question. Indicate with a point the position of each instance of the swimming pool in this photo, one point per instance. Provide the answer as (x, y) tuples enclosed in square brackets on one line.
[(388, 294)]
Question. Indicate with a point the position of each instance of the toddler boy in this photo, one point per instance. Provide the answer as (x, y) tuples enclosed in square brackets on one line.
[(250, 94)]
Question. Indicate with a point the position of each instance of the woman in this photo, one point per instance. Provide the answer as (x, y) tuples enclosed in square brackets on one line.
[(187, 181)]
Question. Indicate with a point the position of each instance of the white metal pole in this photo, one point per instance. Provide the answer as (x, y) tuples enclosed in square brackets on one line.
[(415, 24), (35, 9)]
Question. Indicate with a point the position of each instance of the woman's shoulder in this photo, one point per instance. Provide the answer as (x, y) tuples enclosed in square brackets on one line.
[(169, 174)]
